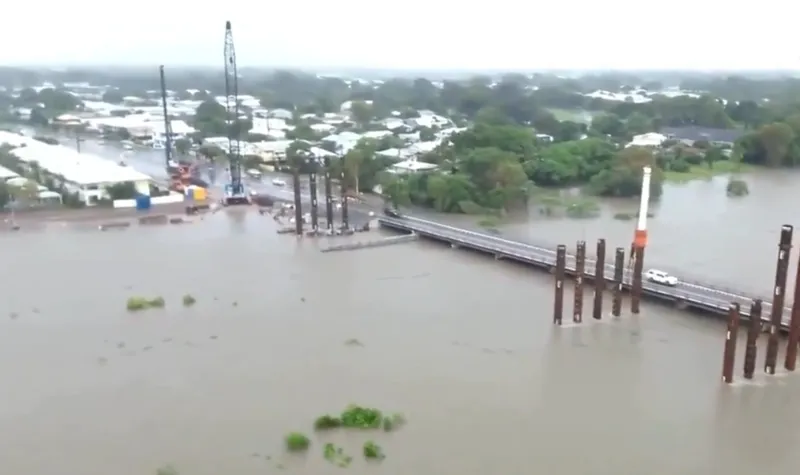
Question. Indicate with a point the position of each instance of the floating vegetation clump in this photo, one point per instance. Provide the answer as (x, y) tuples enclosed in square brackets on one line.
[(136, 304), (167, 470), (395, 421), (353, 417), (327, 422), (373, 451), (188, 300), (737, 187), (334, 454), (297, 442), (357, 417)]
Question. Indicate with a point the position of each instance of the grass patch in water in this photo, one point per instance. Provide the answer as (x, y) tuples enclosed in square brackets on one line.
[(357, 417), (704, 172), (297, 442), (630, 216), (395, 421), (189, 300), (136, 304), (373, 451), (334, 454), (327, 422), (167, 470)]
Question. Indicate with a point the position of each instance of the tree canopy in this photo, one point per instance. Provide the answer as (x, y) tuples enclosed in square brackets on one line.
[(516, 133)]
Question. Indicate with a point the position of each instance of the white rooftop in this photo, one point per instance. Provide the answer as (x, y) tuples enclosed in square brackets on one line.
[(412, 166), (5, 174), (79, 168)]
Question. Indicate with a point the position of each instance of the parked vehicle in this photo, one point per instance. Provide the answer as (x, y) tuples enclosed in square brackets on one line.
[(660, 277), (391, 212)]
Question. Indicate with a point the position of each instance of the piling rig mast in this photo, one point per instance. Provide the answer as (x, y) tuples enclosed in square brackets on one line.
[(234, 190), (179, 173), (167, 125)]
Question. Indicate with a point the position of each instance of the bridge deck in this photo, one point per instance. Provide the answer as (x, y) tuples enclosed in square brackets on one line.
[(699, 295)]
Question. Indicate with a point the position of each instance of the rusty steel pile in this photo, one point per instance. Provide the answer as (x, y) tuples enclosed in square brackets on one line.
[(600, 282), (773, 324)]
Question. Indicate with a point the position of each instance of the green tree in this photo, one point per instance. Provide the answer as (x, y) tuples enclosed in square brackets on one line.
[(609, 124), (396, 190), (212, 152), (182, 146), (113, 96), (361, 112), (426, 134), (210, 119), (57, 101), (121, 191), (624, 176), (302, 131), (26, 194), (5, 195), (776, 140)]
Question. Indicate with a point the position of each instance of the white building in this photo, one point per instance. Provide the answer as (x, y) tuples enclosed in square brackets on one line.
[(6, 174), (411, 166), (651, 139), (82, 173), (143, 126), (270, 127)]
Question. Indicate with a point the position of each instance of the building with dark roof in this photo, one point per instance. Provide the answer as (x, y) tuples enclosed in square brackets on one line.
[(692, 134)]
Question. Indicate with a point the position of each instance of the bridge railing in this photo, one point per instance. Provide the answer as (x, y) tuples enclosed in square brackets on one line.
[(700, 294), (550, 248)]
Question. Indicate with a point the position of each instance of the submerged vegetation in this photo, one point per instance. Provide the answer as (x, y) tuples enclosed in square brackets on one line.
[(188, 300), (352, 417), (737, 187), (136, 304), (373, 451), (336, 455), (357, 417), (297, 442)]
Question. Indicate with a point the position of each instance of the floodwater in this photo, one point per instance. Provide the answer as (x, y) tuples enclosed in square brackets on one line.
[(459, 343), (697, 232)]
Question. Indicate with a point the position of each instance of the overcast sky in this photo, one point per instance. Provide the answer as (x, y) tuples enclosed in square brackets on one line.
[(409, 34)]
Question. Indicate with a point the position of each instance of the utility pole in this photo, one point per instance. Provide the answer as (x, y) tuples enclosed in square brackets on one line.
[(78, 141)]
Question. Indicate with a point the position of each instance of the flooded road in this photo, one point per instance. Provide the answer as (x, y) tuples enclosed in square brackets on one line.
[(459, 343)]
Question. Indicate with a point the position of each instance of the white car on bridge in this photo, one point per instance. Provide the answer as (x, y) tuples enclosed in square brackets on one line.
[(661, 277)]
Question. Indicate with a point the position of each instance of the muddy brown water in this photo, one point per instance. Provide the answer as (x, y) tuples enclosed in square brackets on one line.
[(459, 343)]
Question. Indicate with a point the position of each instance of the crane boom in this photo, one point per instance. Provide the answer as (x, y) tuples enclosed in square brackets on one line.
[(167, 125), (235, 193)]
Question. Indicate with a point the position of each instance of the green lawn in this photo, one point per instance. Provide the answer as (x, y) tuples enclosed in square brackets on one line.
[(576, 115), (703, 172)]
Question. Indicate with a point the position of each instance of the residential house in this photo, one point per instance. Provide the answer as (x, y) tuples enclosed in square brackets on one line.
[(650, 139), (411, 166), (323, 128), (690, 135), (347, 105)]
